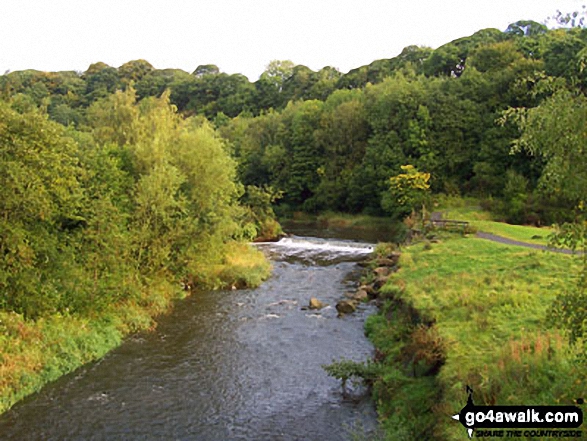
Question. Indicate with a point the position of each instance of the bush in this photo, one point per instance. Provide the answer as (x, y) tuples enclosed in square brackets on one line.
[(344, 370)]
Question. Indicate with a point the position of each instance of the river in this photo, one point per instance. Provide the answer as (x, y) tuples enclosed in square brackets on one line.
[(228, 365)]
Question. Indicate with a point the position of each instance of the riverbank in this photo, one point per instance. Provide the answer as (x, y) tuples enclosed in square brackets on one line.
[(466, 311), (35, 352), (469, 210)]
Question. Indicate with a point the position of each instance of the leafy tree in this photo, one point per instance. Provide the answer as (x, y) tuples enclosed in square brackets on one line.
[(271, 83), (343, 135), (156, 82), (39, 204), (134, 71), (112, 119), (259, 215), (526, 28), (556, 131), (278, 72), (101, 80), (407, 192), (561, 53), (306, 155), (206, 69)]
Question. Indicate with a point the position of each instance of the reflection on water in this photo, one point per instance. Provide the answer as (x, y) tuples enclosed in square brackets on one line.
[(384, 232), (231, 365)]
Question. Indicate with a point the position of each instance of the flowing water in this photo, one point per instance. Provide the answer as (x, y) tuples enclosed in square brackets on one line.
[(229, 365)]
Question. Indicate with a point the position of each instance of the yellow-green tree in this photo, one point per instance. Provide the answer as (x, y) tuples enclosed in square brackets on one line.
[(407, 192)]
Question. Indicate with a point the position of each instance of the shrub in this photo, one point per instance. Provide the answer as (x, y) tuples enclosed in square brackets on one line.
[(344, 370)]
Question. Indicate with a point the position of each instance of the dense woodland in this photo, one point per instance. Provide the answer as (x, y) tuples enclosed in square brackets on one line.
[(116, 177), (330, 141)]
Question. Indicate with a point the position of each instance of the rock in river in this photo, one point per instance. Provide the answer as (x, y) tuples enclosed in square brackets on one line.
[(346, 307), (316, 304)]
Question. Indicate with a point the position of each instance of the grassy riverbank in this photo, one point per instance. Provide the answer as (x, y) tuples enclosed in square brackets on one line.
[(488, 305), (35, 352), (469, 209)]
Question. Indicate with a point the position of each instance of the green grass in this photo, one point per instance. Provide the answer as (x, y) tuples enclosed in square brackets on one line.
[(470, 210), (489, 303)]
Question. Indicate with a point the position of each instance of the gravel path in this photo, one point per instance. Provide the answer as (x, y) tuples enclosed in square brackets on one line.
[(438, 215), (506, 241)]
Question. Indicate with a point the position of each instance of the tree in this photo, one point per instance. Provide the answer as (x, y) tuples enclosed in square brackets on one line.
[(306, 154), (556, 130), (271, 83), (526, 28), (206, 69), (343, 136), (407, 192), (156, 82), (277, 72), (134, 71), (40, 198), (101, 80), (561, 51)]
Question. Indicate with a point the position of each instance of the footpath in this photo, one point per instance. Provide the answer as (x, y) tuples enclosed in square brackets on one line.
[(437, 217)]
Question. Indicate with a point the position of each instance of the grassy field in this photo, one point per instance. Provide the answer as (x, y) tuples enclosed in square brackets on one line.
[(489, 303), (35, 352), (469, 210)]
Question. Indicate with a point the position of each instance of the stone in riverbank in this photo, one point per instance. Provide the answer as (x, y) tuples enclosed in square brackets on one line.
[(380, 281), (369, 289), (386, 262), (382, 271), (358, 297)]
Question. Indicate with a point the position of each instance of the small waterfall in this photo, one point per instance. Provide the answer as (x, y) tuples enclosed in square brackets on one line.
[(315, 250)]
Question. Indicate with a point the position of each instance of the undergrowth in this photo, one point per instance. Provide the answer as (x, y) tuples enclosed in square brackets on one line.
[(487, 304)]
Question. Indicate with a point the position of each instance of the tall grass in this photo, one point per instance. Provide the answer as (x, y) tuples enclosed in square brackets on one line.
[(489, 304)]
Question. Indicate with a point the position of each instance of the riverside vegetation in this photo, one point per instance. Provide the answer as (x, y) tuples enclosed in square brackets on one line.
[(482, 320), (121, 187), (104, 226), (461, 311)]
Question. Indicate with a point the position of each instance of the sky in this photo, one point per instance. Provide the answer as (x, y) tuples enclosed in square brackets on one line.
[(242, 36)]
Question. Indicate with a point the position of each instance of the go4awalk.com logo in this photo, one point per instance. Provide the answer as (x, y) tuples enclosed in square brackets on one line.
[(520, 421)]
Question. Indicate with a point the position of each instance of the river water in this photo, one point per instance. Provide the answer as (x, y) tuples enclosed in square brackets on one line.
[(228, 365)]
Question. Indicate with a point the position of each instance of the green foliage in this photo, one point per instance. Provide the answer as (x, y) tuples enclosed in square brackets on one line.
[(259, 216), (570, 308), (133, 71), (407, 192), (40, 198), (99, 227), (140, 192), (330, 141), (481, 296), (515, 194), (345, 370), (555, 131)]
